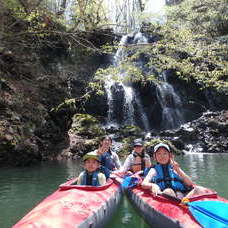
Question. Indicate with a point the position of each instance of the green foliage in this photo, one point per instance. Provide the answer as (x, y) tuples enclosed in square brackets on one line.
[(130, 130), (185, 47), (153, 142), (205, 16), (188, 46), (12, 5), (89, 15), (86, 125), (69, 105), (126, 71)]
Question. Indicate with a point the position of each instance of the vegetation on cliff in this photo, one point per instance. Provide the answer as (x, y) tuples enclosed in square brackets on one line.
[(35, 42), (192, 42), (35, 89)]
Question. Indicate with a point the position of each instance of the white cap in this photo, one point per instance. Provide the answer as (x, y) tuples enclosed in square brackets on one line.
[(159, 145)]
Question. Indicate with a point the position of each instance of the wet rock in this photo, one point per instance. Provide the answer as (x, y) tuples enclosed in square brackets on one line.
[(209, 132)]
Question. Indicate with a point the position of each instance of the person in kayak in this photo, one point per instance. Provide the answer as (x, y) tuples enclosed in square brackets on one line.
[(167, 176), (138, 160), (91, 174), (109, 158)]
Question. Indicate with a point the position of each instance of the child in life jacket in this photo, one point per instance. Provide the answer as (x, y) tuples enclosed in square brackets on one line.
[(138, 160), (167, 176), (91, 174)]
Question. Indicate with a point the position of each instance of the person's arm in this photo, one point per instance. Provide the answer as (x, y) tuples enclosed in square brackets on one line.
[(126, 165), (102, 179), (148, 161), (147, 184), (186, 179), (116, 160), (79, 181)]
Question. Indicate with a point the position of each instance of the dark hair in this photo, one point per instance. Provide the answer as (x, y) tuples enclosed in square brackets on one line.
[(105, 137)]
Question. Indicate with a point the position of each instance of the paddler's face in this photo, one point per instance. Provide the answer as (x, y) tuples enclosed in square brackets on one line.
[(162, 156), (138, 149), (106, 143), (91, 165)]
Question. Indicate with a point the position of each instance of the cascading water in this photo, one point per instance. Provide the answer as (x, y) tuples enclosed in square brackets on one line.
[(144, 118), (125, 105), (125, 92), (125, 15), (171, 105)]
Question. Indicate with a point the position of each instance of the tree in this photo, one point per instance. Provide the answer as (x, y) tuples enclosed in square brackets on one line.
[(206, 16)]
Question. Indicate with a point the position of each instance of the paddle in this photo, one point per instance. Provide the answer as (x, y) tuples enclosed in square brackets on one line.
[(130, 181), (208, 213)]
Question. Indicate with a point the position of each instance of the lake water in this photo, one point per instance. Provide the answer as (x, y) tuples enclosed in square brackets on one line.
[(22, 188)]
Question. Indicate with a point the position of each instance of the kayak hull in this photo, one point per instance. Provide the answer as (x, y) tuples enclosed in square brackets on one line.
[(161, 212), (74, 206)]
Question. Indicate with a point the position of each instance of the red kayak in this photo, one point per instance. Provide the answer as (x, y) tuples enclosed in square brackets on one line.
[(74, 206), (161, 211)]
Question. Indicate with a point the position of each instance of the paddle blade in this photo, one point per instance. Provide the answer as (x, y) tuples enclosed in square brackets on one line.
[(129, 182), (210, 214)]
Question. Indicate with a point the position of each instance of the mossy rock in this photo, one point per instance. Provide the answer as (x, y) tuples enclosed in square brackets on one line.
[(130, 130), (150, 145), (86, 125), (127, 146)]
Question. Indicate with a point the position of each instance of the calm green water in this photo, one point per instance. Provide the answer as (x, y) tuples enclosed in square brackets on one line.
[(22, 188)]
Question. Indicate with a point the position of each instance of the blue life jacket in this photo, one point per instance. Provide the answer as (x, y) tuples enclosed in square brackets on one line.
[(167, 178), (90, 179), (146, 171), (107, 160), (105, 171)]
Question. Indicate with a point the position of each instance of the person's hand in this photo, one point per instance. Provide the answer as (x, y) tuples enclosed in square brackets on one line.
[(129, 173), (155, 189), (102, 149), (175, 165)]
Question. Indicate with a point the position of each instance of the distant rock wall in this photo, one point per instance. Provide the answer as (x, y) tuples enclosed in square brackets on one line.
[(32, 83)]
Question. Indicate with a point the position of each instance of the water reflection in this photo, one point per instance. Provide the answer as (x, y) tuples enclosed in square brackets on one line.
[(127, 216), (209, 170), (22, 188)]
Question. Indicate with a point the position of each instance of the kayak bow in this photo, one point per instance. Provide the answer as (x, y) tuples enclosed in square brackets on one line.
[(74, 206)]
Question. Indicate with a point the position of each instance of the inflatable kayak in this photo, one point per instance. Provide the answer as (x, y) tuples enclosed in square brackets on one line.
[(73, 206), (209, 210)]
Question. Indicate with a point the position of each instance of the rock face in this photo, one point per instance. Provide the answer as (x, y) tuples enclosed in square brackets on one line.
[(38, 91), (84, 136), (32, 82), (208, 134)]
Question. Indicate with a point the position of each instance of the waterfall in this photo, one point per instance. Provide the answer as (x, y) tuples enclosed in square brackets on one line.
[(70, 5), (171, 105), (122, 99), (129, 96), (144, 118)]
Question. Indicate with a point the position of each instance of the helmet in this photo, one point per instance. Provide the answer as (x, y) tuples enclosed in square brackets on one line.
[(160, 145), (138, 142), (92, 155)]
